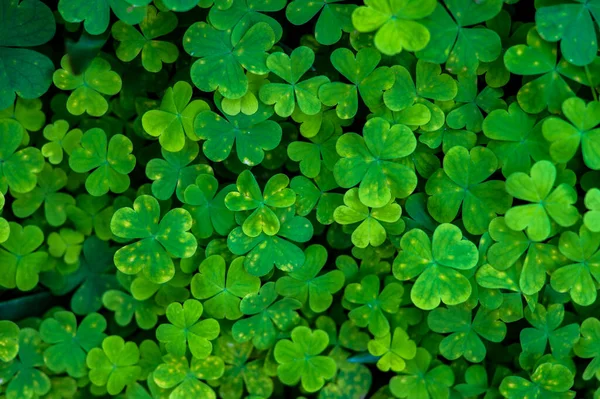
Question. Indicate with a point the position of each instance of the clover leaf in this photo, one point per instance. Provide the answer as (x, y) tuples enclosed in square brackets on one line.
[(548, 380), (517, 139), (462, 181), (186, 331), (304, 284), (547, 204), (572, 25), (248, 197), (25, 380), (455, 41), (370, 161), (589, 347), (89, 86), (242, 14), (9, 340), (437, 263), (422, 379), (267, 317), (222, 59), (592, 217), (158, 239), (310, 196), (578, 277), (465, 338), (310, 155), (21, 261), (395, 24), (264, 251), (299, 359), (370, 231), (25, 72), (66, 244), (175, 118), (69, 342), (394, 350), (369, 304), (111, 161), (154, 52), (175, 173), (365, 79), (546, 323), (248, 103), (183, 378), (115, 365), (290, 69), (19, 168), (333, 20), (126, 307), (536, 58), (92, 214), (566, 137), (95, 14), (61, 140), (253, 135)]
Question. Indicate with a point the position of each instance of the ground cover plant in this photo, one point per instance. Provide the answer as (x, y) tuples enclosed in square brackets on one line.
[(337, 199)]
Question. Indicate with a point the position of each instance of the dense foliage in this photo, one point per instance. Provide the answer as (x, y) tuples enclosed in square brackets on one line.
[(299, 199)]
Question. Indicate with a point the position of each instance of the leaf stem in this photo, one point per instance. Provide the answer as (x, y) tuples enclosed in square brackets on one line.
[(589, 78), (364, 358)]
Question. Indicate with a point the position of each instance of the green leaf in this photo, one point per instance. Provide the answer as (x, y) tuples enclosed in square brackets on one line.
[(588, 346), (115, 365), (95, 14), (546, 323), (19, 168), (242, 14), (394, 350), (21, 261), (333, 21), (548, 380), (9, 339), (420, 377)]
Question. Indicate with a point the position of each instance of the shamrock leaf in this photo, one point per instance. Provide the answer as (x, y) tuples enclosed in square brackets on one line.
[(290, 69), (175, 118), (332, 22), (70, 343), (115, 365), (572, 25), (577, 278), (92, 214), (455, 41), (310, 196), (25, 381), (592, 217), (223, 295), (186, 331), (264, 251), (207, 207), (95, 14), (465, 338), (422, 379), (21, 263), (253, 135), (241, 371), (299, 359), (462, 181), (565, 137), (370, 231), (25, 72), (19, 168), (125, 307), (517, 139), (9, 340), (267, 317), (111, 161), (243, 14), (310, 155), (248, 103), (223, 58), (177, 374), (369, 160), (159, 239), (368, 304), (154, 52), (174, 174), (549, 380), (365, 79), (394, 350), (66, 244), (249, 198), (61, 140), (547, 204), (304, 284), (588, 347), (546, 330), (437, 264), (395, 24), (89, 86), (539, 57)]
